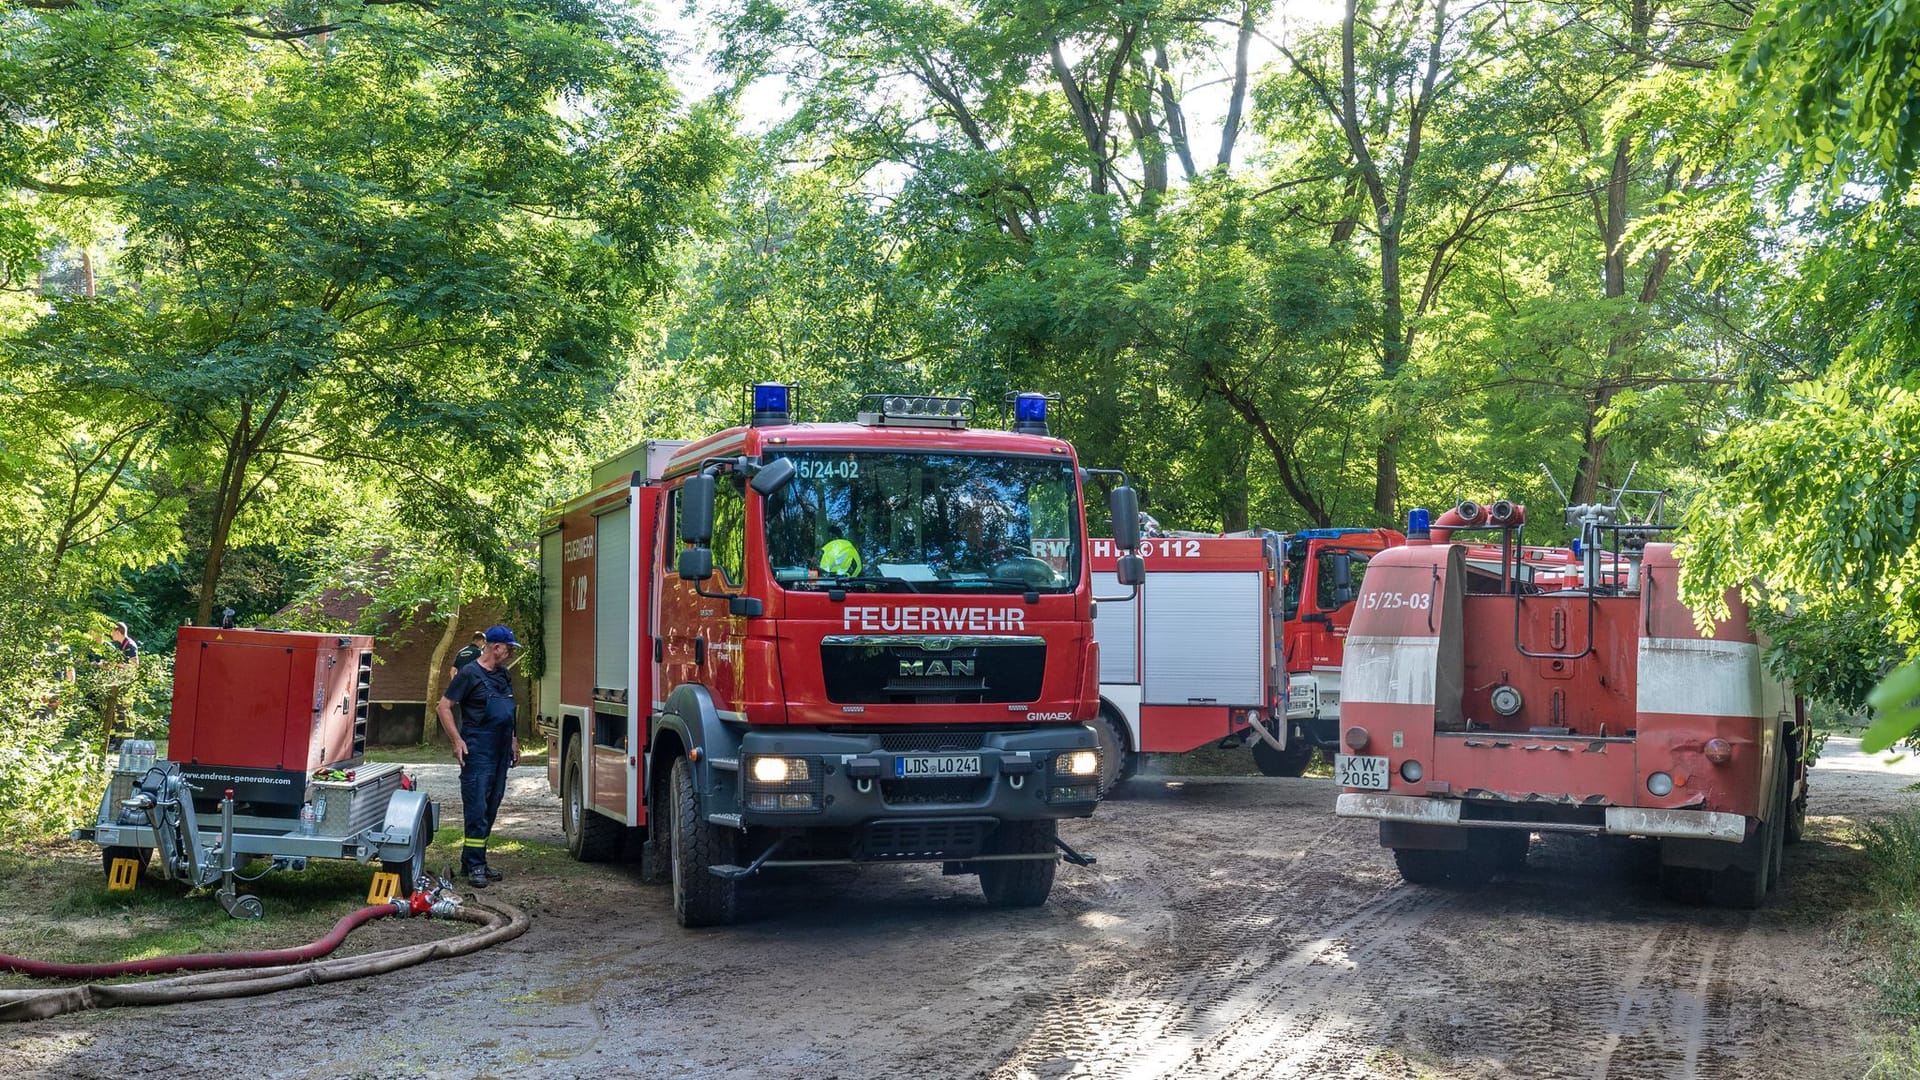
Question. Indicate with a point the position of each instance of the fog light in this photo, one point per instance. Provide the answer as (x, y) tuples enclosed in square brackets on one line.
[(1411, 772), (781, 800), (1357, 738), (779, 770), (1079, 763), (1660, 784), (1718, 751)]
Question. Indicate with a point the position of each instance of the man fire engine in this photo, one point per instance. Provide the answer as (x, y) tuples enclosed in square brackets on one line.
[(1495, 690), (804, 644)]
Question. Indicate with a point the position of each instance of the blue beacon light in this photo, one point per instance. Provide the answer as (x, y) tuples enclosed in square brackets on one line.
[(770, 404), (1030, 414), (1419, 524)]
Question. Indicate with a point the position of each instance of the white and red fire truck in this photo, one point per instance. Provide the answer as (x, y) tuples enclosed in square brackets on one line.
[(1235, 637), (1496, 690), (799, 644)]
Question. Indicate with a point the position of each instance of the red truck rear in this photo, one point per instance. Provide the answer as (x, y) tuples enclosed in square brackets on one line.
[(1492, 691)]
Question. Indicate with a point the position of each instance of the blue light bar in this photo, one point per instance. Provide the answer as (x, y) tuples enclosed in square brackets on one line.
[(770, 402), (1419, 523)]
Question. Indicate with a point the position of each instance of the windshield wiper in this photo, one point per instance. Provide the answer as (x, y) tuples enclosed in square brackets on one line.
[(843, 581)]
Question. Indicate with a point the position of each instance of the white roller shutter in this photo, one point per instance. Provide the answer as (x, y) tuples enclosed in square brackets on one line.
[(612, 596), (1117, 629), (553, 589), (1202, 638)]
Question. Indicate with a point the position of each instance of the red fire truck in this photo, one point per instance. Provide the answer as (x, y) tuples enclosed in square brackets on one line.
[(1235, 637), (1494, 690), (807, 644), (1324, 568), (1194, 657)]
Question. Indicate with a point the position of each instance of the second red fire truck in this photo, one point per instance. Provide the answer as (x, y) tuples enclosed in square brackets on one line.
[(1235, 637), (804, 644)]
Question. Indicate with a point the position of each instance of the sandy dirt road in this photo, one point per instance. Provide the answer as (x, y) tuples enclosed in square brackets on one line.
[(1233, 928)]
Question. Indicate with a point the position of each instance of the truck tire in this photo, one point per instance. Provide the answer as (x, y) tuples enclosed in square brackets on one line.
[(699, 898), (1024, 882), (1782, 817), (590, 837), (1743, 885), (1116, 763), (1486, 853), (1796, 820), (1292, 761)]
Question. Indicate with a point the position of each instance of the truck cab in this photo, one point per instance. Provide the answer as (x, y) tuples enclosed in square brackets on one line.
[(1323, 576)]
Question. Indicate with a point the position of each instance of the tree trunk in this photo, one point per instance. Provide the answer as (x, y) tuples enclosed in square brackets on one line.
[(430, 723)]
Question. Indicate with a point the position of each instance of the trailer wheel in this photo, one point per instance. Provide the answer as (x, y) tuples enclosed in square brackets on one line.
[(1292, 761), (1116, 758), (414, 865), (590, 837), (700, 898), (143, 856), (1018, 883)]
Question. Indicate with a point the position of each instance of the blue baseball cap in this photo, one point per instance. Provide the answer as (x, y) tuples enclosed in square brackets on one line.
[(500, 635)]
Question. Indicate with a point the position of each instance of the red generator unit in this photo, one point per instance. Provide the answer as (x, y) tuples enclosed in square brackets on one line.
[(260, 711)]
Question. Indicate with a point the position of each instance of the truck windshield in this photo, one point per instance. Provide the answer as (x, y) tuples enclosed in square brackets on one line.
[(929, 523)]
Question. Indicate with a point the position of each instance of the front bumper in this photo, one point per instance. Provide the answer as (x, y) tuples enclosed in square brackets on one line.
[(853, 779), (1616, 821)]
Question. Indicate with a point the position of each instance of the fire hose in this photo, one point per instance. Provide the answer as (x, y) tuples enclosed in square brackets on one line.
[(247, 974)]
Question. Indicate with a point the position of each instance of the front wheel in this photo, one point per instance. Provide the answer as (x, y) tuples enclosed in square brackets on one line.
[(699, 897), (1018, 883), (1292, 761)]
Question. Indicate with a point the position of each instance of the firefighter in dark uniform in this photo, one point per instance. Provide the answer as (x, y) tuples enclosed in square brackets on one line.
[(485, 743)]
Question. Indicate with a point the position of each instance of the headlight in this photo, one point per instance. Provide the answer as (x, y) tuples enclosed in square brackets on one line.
[(1660, 785), (779, 770), (1079, 763), (1411, 772)]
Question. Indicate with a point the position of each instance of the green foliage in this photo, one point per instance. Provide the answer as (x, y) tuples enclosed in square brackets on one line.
[(1832, 87)]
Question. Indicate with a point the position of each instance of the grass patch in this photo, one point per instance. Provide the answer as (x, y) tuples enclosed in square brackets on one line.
[(1891, 928), (435, 754), (56, 907)]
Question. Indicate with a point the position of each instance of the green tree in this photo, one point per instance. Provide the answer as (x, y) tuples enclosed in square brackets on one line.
[(399, 240)]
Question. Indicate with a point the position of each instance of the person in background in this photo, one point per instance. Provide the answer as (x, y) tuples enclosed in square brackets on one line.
[(468, 654), (485, 743), (129, 648)]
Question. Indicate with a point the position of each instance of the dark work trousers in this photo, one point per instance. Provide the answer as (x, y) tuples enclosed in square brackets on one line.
[(483, 780)]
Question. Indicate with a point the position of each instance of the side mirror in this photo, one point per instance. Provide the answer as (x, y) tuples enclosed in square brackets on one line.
[(748, 606), (1124, 505), (1342, 579), (696, 563), (773, 476), (696, 516), (1129, 569)]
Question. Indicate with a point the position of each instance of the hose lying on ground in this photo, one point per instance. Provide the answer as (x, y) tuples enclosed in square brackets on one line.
[(160, 965), (498, 922)]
